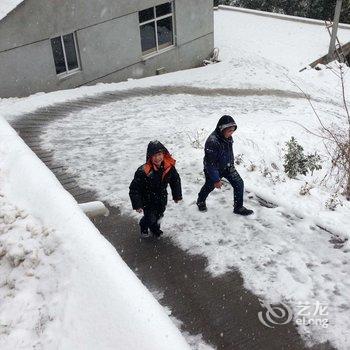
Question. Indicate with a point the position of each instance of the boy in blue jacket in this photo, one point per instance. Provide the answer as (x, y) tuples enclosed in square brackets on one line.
[(219, 163)]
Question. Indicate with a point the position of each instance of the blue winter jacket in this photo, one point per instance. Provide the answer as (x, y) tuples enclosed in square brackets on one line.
[(218, 151)]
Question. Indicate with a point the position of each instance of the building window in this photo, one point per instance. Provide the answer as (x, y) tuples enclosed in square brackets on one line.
[(157, 28), (64, 49)]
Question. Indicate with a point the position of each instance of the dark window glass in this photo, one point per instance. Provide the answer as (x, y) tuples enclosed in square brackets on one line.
[(163, 9), (165, 32), (58, 55), (146, 15), (148, 38), (71, 55)]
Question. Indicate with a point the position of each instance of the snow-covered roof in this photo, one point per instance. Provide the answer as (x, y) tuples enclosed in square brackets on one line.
[(6, 6)]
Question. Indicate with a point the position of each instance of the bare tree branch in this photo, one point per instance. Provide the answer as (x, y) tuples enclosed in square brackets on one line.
[(336, 140)]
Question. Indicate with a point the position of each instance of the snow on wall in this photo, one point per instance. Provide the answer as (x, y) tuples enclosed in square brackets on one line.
[(103, 305)]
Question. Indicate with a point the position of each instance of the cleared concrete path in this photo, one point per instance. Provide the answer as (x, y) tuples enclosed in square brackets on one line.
[(219, 308)]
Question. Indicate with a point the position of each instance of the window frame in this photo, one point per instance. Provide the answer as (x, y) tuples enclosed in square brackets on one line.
[(155, 20), (68, 71)]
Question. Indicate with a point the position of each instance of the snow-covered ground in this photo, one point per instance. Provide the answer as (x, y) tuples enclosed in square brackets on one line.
[(62, 285), (281, 252), (32, 279)]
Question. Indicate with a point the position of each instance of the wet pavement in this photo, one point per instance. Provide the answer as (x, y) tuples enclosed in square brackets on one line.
[(219, 308)]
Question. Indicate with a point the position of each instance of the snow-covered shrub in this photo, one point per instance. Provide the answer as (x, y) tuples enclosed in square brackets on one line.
[(197, 138), (251, 167), (336, 137), (333, 202), (296, 162), (238, 158), (305, 189), (313, 162), (2, 250), (277, 178), (266, 172), (339, 149), (270, 172)]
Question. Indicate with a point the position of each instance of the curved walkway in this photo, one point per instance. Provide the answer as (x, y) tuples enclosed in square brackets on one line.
[(219, 308)]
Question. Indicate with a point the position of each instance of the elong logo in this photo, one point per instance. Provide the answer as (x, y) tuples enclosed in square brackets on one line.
[(307, 314)]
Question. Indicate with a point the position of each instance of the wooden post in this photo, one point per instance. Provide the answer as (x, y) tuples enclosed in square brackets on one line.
[(334, 29)]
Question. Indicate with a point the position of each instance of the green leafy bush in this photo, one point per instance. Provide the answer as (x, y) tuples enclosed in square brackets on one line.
[(296, 162)]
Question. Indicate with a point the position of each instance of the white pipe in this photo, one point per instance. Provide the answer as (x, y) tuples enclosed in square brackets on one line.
[(93, 209)]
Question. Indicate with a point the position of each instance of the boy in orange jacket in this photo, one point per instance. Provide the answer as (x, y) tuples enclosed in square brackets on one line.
[(148, 190)]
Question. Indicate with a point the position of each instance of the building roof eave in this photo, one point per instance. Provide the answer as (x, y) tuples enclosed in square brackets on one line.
[(7, 6)]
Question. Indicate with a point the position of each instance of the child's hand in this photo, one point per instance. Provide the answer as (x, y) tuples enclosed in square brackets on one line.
[(139, 210), (218, 184)]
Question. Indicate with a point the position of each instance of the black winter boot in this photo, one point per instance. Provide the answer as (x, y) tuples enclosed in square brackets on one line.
[(201, 206), (144, 233), (243, 211), (157, 233)]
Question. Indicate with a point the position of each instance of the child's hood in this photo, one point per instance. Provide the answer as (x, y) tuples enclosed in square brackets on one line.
[(155, 147), (224, 122)]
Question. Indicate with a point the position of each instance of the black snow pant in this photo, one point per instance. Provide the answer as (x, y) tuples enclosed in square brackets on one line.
[(150, 219), (234, 179)]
